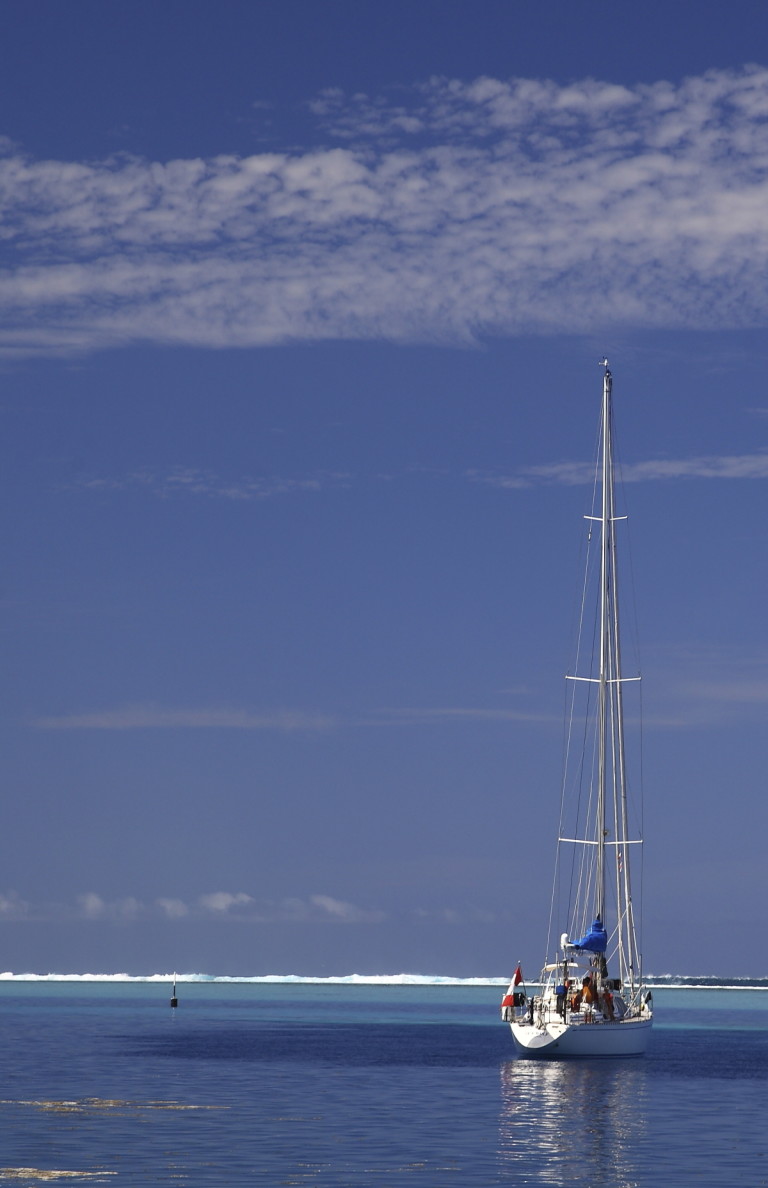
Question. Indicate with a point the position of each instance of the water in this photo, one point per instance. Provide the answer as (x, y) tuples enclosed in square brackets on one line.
[(357, 1085)]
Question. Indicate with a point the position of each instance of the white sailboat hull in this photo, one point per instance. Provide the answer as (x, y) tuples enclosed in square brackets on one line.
[(593, 1040)]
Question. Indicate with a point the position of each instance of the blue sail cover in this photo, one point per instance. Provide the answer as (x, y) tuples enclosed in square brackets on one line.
[(595, 940)]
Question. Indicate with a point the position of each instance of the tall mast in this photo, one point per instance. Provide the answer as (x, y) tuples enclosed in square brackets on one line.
[(612, 809), (607, 609), (607, 871)]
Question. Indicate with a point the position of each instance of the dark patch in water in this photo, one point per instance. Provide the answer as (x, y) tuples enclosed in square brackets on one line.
[(726, 1054), (358, 1045)]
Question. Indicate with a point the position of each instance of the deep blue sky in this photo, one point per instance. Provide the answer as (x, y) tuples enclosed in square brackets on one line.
[(302, 305)]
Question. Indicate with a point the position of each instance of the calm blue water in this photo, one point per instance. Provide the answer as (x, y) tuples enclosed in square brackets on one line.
[(360, 1085)]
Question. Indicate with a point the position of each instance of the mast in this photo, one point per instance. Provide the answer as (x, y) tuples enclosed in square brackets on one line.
[(612, 808), (607, 605), (604, 877)]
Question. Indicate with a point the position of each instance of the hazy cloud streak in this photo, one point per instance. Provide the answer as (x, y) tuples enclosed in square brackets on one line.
[(421, 716), (147, 717), (184, 480), (571, 474), (222, 906)]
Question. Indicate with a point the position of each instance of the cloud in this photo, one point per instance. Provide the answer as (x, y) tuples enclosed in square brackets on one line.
[(317, 909), (149, 717), (453, 916), (688, 692), (342, 912), (94, 907), (463, 209), (182, 481), (729, 466), (172, 909), (236, 906), (13, 907), (212, 905), (223, 901), (425, 715), (703, 685), (735, 692)]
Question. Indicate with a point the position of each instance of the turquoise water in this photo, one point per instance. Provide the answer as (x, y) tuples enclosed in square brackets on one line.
[(262, 1084)]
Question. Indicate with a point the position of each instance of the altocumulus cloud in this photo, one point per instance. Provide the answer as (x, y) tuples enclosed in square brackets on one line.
[(489, 207)]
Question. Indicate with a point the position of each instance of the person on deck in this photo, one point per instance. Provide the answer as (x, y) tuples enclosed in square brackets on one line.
[(608, 1011), (588, 996)]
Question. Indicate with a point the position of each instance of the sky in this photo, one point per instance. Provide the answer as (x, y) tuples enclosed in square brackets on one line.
[(301, 310)]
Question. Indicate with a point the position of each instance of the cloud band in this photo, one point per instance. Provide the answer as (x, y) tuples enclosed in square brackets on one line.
[(484, 208)]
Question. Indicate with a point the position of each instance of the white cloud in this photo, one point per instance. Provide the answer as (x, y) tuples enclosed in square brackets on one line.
[(491, 207), (314, 909), (224, 901), (425, 715), (344, 913), (703, 685), (740, 692), (185, 480), (128, 908), (94, 907), (727, 466), (211, 906), (13, 907), (453, 916), (149, 717), (173, 909)]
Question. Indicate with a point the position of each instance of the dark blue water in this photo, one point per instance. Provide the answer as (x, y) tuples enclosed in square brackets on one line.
[(359, 1085)]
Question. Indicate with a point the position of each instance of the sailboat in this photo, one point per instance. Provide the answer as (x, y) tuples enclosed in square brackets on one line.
[(590, 999)]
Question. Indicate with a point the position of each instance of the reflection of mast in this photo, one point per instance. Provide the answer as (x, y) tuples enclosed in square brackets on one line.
[(605, 1121)]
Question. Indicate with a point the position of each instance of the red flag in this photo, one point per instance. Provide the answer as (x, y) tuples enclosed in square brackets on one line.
[(517, 979)]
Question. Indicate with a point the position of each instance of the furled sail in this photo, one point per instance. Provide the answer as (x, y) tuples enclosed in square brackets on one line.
[(595, 940)]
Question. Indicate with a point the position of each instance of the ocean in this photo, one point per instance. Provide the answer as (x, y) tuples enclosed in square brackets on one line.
[(296, 1083)]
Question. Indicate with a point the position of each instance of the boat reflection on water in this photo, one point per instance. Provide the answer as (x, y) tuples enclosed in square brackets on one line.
[(574, 1122)]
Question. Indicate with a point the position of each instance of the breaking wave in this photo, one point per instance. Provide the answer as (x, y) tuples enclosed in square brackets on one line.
[(658, 981), (402, 979)]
